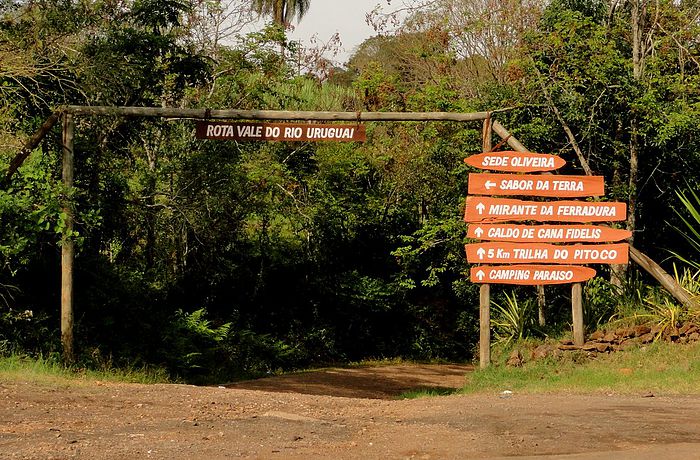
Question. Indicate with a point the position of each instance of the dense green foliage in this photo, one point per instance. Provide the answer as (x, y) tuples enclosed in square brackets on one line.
[(223, 259)]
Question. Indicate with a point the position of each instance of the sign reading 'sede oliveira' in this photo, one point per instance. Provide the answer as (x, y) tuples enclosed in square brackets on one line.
[(280, 132)]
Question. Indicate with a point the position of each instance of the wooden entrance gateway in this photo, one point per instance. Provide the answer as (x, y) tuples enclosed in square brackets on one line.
[(67, 116)]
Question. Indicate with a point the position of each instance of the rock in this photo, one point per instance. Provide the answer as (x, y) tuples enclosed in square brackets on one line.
[(694, 337), (515, 359), (641, 330), (624, 332), (610, 337), (655, 329), (674, 334), (542, 352), (683, 339), (566, 342), (687, 329), (597, 335), (627, 344), (567, 347), (647, 338), (590, 346), (602, 347)]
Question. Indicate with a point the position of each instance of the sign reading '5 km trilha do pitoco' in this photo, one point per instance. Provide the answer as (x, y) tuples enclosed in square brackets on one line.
[(524, 244)]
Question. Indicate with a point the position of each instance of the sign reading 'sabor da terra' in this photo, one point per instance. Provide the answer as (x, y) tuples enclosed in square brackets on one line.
[(280, 132)]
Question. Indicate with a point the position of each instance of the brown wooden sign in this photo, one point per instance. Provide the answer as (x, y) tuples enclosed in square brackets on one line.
[(280, 132), (487, 209), (511, 161), (515, 253), (530, 275), (536, 185), (546, 233)]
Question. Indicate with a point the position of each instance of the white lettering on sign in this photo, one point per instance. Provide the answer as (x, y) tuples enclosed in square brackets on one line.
[(515, 184), (329, 133), (595, 254), (583, 233), (545, 162), (568, 185), (531, 254), (550, 233), (586, 211), (246, 131), (220, 130), (513, 209), (500, 232), (534, 162), (509, 274), (495, 161), (553, 275)]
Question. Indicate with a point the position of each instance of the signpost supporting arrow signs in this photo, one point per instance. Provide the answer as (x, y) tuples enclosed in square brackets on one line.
[(528, 244)]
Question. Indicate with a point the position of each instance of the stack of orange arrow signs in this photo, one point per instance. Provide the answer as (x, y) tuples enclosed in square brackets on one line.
[(530, 246)]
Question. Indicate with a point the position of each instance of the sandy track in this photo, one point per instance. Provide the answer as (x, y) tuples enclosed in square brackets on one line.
[(116, 421)]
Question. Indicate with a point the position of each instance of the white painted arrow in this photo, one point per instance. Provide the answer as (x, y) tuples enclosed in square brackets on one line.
[(489, 185), (478, 231), (480, 207), (480, 275), (481, 252)]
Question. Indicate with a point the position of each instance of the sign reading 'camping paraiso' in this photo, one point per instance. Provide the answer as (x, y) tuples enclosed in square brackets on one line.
[(531, 274), (280, 132)]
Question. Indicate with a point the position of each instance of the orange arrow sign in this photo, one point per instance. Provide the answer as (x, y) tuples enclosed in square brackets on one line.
[(546, 233), (510, 161), (513, 253), (530, 275), (486, 209), (534, 185)]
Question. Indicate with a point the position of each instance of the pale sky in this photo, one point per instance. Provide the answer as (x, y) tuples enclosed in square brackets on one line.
[(347, 17)]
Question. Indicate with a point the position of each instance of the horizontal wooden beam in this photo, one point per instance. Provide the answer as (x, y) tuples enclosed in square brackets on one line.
[(205, 114)]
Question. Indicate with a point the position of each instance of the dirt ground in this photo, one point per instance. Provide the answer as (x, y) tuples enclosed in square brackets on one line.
[(338, 414)]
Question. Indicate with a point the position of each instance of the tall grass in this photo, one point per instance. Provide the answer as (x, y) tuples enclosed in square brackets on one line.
[(18, 367), (660, 368)]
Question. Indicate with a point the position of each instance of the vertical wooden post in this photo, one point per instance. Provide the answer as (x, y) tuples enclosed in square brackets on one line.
[(541, 306), (67, 247), (577, 312), (485, 290), (485, 326)]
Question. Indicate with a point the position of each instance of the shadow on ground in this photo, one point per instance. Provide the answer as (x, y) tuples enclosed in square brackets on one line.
[(382, 382)]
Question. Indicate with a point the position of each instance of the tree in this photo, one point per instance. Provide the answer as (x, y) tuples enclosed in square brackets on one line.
[(282, 11)]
